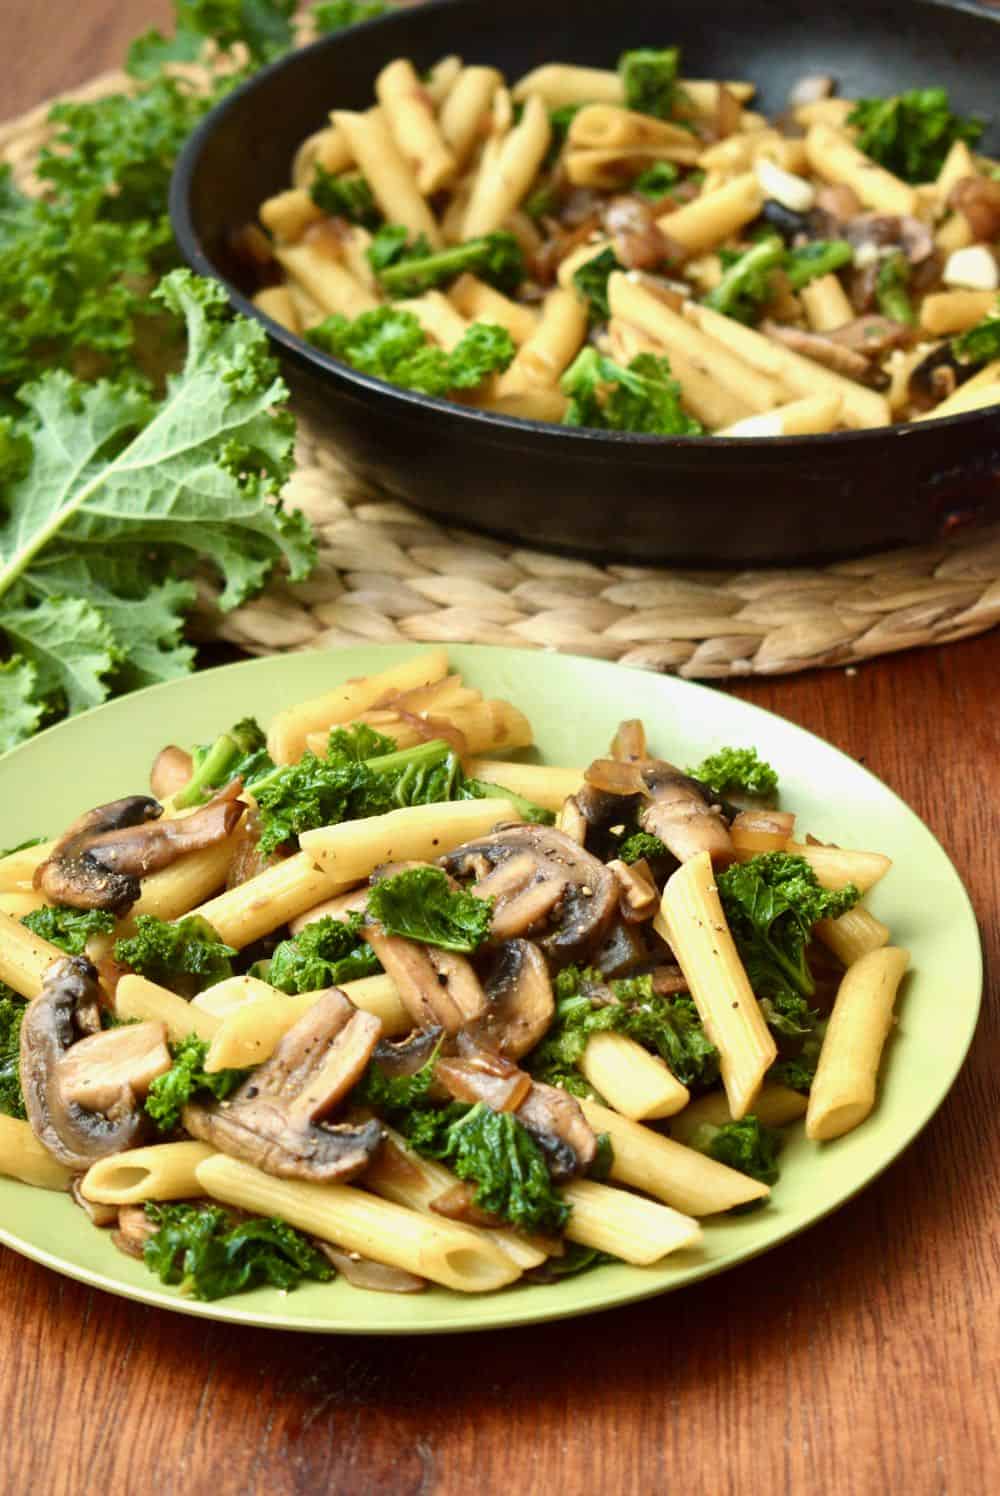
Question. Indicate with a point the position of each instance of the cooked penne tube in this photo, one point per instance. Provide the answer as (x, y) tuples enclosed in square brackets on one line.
[(835, 867), (409, 114), (466, 110), (189, 881), (832, 112), (278, 303), (309, 312), (330, 284), (636, 1230), (691, 920), (690, 1182), (957, 165), (712, 217), (479, 302), (243, 914), (224, 997), (632, 1081), (327, 148), (954, 233), (711, 402), (544, 784), (25, 957), (441, 79), (776, 1106), (815, 414), (862, 407), (429, 1246), (289, 214), (20, 903), (529, 405), (640, 306), (23, 1157), (617, 166), (608, 127), (400, 1174), (393, 184), (853, 934), (286, 738), (553, 345), (17, 869), (378, 995), (826, 304), (165, 1171), (228, 1000), (506, 177), (835, 158), (948, 312), (738, 153), (843, 1090), (438, 318), (581, 256), (348, 853), (138, 998), (559, 83)]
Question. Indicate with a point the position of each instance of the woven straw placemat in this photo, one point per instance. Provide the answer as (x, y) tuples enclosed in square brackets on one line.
[(387, 573)]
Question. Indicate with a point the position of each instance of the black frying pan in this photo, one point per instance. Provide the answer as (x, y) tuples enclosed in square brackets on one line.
[(705, 501)]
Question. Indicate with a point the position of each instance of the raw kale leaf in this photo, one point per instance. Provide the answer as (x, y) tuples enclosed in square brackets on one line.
[(262, 27), (121, 485), (771, 904), (69, 929), (199, 1248), (185, 955), (323, 954), (642, 397), (12, 1011), (389, 343), (911, 133), (420, 905), (746, 1145), (736, 769), (187, 1076)]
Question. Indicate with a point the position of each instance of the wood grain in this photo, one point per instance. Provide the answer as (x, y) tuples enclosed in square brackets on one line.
[(860, 1358)]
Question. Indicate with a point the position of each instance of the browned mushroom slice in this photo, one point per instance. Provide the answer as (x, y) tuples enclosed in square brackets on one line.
[(556, 1122), (821, 349), (541, 880), (459, 1204), (134, 1230), (629, 743), (519, 999), (621, 951), (365, 1272), (406, 1056), (638, 898), (74, 1134), (873, 335), (668, 980), (438, 988), (274, 1120), (572, 822), (100, 1215), (97, 1071), (681, 816), (98, 862), (172, 768), (481, 1075)]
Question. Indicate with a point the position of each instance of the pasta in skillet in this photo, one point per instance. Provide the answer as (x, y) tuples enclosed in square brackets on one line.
[(638, 251), (359, 993)]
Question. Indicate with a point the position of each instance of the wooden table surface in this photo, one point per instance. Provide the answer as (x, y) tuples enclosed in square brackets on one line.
[(860, 1358)]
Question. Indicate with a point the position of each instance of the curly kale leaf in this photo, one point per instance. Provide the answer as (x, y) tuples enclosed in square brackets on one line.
[(642, 397), (338, 15), (325, 953), (348, 196), (591, 280), (12, 1012), (185, 955), (911, 133), (421, 905), (389, 343), (771, 904), (409, 270), (980, 344), (391, 1095), (736, 769), (641, 844), (199, 1248), (187, 1078), (69, 929), (746, 1145), (650, 80)]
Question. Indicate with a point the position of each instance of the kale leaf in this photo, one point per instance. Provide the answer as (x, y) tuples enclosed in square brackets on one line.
[(187, 1076), (655, 181), (240, 752), (325, 953), (591, 281), (649, 78), (338, 15), (820, 257), (746, 1145), (771, 904), (911, 133), (495, 258), (892, 281), (185, 955), (12, 1011), (736, 769), (642, 397), (979, 344), (262, 29), (641, 844), (393, 1094), (69, 929), (421, 905), (348, 196), (389, 343), (199, 1248), (746, 282)]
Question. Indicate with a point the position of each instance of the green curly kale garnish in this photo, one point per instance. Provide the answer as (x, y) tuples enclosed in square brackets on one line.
[(186, 1078), (199, 1248), (736, 769), (185, 955)]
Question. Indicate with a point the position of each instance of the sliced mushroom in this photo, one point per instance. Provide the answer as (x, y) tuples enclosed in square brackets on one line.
[(572, 822), (873, 335), (459, 1204), (96, 1071), (668, 980), (936, 377), (978, 199), (638, 897), (407, 1056), (134, 1230), (100, 1215), (622, 950), (365, 1272), (839, 201), (629, 743), (439, 989), (275, 1119), (556, 1122), (519, 1000), (639, 243), (98, 862), (172, 768), (72, 1133), (821, 348), (542, 882), (482, 1075), (682, 816)]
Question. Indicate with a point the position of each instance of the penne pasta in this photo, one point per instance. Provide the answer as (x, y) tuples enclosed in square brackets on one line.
[(278, 303), (289, 214), (609, 127), (328, 282), (703, 395), (138, 999), (165, 1171), (826, 303), (391, 180), (835, 867), (23, 1157), (843, 1090), (431, 1247), (775, 1106), (692, 921), (24, 957), (646, 1160), (327, 148), (614, 168), (17, 869), (544, 784), (835, 157), (465, 110), (633, 1082), (816, 413), (853, 934), (477, 301), (946, 312), (420, 833), (553, 344), (438, 317), (625, 1225), (712, 217), (409, 114), (252, 909), (505, 177)]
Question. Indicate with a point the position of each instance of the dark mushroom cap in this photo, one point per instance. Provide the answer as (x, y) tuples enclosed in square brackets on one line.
[(73, 1135), (519, 999), (545, 885), (556, 1122)]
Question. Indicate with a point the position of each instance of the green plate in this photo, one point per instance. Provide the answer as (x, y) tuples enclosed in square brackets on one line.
[(574, 705)]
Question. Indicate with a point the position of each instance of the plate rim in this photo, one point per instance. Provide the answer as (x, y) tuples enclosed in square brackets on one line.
[(493, 1316)]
